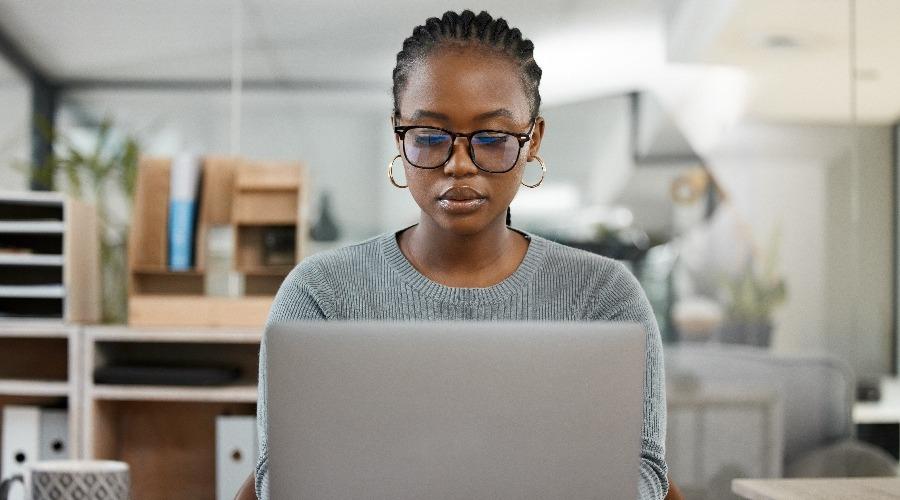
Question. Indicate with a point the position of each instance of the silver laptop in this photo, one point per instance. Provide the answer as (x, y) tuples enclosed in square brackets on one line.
[(453, 410)]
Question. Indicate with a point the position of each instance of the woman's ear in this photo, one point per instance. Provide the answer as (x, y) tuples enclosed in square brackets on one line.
[(536, 136), (396, 137)]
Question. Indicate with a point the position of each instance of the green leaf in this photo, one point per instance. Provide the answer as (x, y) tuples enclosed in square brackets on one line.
[(129, 167)]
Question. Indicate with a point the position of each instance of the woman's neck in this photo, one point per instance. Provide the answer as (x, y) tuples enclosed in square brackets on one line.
[(471, 261)]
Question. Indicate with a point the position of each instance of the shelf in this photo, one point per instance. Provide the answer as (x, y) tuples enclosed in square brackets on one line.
[(880, 412), (33, 291), (16, 387), (175, 334), (167, 272), (192, 311), (34, 328), (245, 393), (267, 271), (32, 197), (27, 226), (26, 259)]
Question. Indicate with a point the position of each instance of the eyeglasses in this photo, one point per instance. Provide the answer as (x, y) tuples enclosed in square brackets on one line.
[(494, 151)]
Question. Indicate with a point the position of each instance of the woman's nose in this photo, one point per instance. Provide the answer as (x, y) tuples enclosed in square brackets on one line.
[(460, 163)]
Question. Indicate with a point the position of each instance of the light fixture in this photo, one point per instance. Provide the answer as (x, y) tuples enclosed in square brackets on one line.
[(776, 41), (780, 41), (867, 74)]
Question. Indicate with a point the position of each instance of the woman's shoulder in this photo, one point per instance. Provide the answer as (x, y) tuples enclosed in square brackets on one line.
[(600, 285), (567, 260), (313, 287), (352, 258)]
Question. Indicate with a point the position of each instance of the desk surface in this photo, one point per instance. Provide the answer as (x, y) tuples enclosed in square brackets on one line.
[(885, 411), (817, 489)]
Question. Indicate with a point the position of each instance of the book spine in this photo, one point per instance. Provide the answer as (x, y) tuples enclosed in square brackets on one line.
[(184, 179)]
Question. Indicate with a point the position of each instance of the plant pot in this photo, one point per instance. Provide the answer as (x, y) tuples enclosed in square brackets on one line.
[(756, 333), (114, 282)]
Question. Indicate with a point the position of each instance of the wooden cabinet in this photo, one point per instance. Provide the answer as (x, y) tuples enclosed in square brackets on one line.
[(165, 433), (40, 365)]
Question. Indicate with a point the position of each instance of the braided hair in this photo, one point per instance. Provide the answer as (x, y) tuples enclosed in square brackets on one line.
[(465, 29)]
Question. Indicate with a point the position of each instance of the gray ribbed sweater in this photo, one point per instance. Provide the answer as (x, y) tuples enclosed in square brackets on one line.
[(373, 280)]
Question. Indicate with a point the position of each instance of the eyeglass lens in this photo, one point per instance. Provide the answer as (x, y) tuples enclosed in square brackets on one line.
[(431, 148)]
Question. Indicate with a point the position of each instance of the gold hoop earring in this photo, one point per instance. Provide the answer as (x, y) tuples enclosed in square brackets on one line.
[(391, 174), (543, 172)]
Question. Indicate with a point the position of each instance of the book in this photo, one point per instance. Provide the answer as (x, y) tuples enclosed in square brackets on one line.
[(184, 180)]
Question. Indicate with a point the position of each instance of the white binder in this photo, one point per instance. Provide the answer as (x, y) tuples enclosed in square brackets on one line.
[(21, 442), (235, 453), (54, 435)]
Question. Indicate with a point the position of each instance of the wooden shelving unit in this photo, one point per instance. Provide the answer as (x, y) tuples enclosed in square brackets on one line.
[(245, 393), (55, 381), (49, 258), (257, 198), (165, 433), (266, 209)]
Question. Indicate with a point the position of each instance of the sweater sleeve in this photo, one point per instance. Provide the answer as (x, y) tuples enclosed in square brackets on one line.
[(623, 299), (302, 296)]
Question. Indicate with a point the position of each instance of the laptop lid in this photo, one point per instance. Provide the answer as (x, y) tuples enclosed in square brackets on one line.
[(447, 410)]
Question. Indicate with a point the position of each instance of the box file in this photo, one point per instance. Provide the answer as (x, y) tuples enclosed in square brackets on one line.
[(21, 442), (235, 453), (54, 435)]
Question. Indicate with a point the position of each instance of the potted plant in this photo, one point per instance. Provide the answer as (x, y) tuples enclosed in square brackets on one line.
[(752, 297), (104, 175)]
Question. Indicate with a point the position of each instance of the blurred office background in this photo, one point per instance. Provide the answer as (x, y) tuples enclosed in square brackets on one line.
[(739, 155)]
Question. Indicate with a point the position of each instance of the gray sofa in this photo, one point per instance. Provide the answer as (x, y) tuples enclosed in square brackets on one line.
[(814, 396)]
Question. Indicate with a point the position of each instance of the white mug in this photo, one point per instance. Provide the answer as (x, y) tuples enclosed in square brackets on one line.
[(71, 480)]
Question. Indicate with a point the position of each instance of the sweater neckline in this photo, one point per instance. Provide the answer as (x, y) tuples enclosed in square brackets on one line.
[(511, 285)]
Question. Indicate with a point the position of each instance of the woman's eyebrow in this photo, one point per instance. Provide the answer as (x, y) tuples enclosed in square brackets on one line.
[(495, 113), (424, 113)]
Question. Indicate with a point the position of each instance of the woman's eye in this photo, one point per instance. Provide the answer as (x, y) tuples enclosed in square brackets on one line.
[(489, 140), (430, 139)]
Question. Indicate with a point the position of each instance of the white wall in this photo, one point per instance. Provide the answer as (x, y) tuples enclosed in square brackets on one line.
[(588, 144), (798, 178)]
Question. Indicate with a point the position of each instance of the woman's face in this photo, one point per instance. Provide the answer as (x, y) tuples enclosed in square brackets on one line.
[(464, 90)]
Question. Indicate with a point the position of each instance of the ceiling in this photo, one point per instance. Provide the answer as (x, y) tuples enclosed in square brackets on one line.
[(793, 52), (312, 40), (796, 54)]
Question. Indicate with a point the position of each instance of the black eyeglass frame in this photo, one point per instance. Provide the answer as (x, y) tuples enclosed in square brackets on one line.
[(522, 138)]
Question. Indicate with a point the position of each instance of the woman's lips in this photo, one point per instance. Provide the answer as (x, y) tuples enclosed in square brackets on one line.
[(461, 206), (461, 200)]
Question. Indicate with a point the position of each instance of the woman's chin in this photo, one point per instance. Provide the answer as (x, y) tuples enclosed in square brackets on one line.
[(463, 225)]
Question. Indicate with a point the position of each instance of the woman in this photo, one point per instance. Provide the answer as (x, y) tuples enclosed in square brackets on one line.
[(466, 124)]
